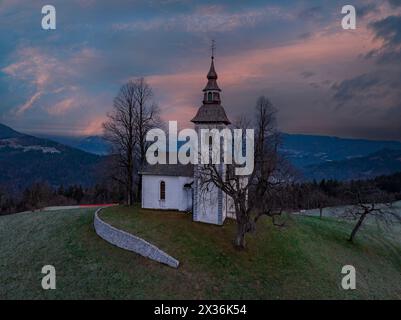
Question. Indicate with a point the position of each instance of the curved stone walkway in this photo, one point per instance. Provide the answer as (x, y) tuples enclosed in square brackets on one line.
[(127, 241)]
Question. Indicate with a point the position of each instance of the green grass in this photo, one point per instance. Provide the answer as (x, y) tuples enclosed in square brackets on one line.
[(303, 260)]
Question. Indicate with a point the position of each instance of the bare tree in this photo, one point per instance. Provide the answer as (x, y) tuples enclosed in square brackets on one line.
[(119, 130), (132, 116), (319, 200), (259, 193), (371, 203), (146, 114)]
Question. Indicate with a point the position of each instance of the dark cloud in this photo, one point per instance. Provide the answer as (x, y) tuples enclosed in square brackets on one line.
[(311, 13), (307, 74), (350, 88), (371, 102), (364, 10), (326, 82), (389, 31), (305, 35), (395, 3)]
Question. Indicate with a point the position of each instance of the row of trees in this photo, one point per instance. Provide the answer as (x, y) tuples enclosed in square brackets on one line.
[(330, 193), (41, 194)]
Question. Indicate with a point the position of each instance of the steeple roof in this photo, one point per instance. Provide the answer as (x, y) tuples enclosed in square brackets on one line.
[(211, 111), (212, 78)]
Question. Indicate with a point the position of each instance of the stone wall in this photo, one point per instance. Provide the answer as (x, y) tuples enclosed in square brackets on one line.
[(131, 242)]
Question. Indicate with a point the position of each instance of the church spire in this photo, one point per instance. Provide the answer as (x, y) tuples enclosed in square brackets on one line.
[(212, 90), (211, 112)]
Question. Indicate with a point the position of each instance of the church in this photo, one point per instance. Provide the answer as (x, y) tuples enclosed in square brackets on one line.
[(177, 186)]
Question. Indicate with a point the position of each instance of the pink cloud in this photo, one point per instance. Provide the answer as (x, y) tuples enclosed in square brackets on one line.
[(63, 106), (94, 126), (333, 54), (46, 75), (28, 104)]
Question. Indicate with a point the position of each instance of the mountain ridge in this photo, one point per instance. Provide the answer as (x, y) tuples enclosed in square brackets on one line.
[(382, 162), (314, 156), (26, 159)]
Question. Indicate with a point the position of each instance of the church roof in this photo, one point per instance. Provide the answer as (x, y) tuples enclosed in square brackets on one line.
[(177, 170), (211, 113)]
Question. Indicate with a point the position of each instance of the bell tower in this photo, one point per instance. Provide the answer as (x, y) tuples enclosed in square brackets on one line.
[(209, 204)]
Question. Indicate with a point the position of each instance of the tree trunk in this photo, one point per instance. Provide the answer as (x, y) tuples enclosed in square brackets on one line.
[(130, 177), (239, 241), (129, 197), (129, 193), (357, 226), (320, 212), (139, 191)]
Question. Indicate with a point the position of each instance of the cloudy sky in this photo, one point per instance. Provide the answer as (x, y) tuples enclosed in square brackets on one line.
[(321, 78)]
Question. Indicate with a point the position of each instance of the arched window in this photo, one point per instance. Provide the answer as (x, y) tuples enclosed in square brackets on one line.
[(162, 190), (209, 96)]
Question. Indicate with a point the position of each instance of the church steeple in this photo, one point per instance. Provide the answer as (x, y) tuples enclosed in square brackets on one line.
[(211, 111), (212, 90)]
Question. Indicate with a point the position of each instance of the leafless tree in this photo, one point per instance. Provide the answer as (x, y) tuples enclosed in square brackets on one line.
[(119, 130), (146, 115), (261, 192), (133, 115), (319, 200), (372, 203)]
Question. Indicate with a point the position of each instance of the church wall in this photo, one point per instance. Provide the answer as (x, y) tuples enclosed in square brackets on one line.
[(209, 204), (177, 198)]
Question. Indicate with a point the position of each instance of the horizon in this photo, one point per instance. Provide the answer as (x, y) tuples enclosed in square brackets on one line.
[(323, 80), (50, 136)]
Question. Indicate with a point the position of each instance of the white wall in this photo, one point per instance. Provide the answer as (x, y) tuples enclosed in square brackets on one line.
[(177, 198)]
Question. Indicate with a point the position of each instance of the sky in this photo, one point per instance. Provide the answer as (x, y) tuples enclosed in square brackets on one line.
[(321, 78)]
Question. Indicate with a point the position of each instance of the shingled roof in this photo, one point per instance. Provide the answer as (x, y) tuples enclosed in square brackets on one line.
[(176, 170), (211, 113), (212, 79)]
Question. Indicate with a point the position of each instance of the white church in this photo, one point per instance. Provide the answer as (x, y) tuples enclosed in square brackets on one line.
[(177, 186)]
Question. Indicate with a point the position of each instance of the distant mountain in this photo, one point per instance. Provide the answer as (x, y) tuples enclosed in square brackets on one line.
[(8, 133), (383, 162), (305, 150), (302, 150), (315, 157), (92, 144), (25, 159)]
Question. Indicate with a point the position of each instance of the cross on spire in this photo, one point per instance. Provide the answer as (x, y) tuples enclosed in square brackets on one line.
[(213, 47)]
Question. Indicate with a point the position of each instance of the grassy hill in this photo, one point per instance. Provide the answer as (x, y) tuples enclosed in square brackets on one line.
[(300, 261)]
